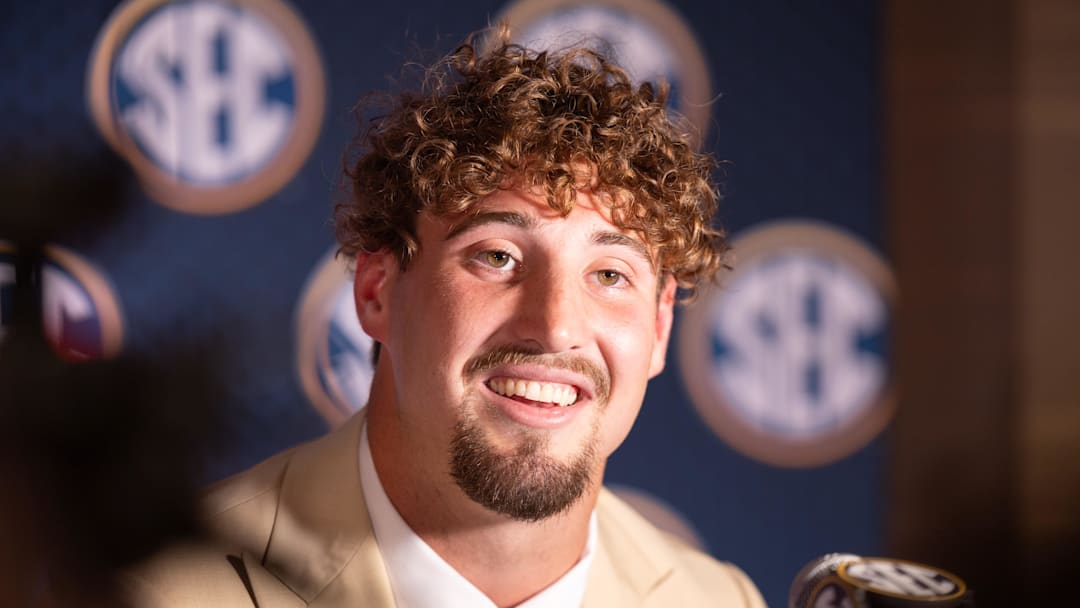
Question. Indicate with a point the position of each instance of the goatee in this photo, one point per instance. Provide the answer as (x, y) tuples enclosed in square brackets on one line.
[(526, 484)]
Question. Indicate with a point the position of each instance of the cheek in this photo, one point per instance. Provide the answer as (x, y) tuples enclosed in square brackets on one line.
[(627, 339), (616, 426), (628, 350), (442, 324), (460, 318)]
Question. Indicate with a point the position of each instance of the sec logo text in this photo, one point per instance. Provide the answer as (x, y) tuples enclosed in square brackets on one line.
[(787, 361), (215, 104)]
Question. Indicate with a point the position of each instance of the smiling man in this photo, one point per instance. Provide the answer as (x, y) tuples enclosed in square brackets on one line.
[(520, 228)]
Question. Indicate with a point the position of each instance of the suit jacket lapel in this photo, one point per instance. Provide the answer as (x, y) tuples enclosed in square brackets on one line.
[(362, 582), (322, 544), (267, 589)]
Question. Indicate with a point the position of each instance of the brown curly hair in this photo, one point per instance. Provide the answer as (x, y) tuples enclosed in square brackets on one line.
[(558, 123)]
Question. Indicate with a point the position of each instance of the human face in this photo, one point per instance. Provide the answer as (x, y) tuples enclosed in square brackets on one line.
[(512, 299)]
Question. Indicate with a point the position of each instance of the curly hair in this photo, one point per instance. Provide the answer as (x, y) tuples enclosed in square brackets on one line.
[(556, 123)]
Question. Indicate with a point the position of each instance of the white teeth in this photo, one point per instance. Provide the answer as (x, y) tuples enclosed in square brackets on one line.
[(543, 392)]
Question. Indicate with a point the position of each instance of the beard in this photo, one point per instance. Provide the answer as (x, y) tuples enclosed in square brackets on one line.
[(526, 484)]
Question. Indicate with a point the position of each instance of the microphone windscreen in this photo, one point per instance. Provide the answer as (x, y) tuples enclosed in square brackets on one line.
[(844, 580), (813, 576)]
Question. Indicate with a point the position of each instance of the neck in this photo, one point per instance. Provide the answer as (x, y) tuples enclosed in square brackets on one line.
[(506, 559)]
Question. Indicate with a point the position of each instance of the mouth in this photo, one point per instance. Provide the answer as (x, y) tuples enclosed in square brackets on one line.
[(534, 392)]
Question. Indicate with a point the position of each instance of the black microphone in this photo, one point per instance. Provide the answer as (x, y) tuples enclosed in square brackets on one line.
[(844, 580)]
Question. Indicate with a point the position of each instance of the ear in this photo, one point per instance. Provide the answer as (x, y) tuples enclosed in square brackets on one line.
[(375, 274), (665, 310)]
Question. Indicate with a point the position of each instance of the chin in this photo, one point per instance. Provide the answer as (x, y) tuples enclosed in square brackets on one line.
[(525, 482)]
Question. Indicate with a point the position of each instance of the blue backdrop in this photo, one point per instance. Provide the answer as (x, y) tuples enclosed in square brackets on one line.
[(796, 108)]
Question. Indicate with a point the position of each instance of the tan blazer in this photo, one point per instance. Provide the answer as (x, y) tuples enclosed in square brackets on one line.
[(295, 532)]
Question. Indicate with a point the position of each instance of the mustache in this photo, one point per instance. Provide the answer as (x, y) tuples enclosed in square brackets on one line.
[(513, 354)]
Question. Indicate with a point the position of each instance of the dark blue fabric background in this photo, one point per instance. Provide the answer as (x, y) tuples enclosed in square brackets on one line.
[(797, 117)]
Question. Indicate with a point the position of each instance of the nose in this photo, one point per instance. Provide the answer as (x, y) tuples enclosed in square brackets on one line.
[(550, 313)]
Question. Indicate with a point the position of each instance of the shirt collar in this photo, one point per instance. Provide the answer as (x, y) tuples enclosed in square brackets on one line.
[(421, 578)]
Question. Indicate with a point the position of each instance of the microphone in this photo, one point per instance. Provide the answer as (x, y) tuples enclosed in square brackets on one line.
[(844, 580)]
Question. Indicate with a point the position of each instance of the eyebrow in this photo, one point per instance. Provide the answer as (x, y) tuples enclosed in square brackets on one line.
[(473, 222), (622, 240)]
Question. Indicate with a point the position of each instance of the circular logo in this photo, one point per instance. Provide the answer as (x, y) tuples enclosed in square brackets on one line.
[(902, 579), (79, 311), (787, 361), (333, 352), (215, 103), (644, 37), (660, 514)]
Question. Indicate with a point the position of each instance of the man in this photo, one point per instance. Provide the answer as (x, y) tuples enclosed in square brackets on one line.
[(520, 228)]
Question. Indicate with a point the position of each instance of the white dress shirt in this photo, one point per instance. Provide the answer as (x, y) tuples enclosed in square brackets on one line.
[(421, 578)]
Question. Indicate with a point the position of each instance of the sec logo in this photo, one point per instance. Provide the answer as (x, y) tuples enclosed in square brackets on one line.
[(646, 38), (216, 104), (333, 352), (80, 314), (787, 361), (902, 579)]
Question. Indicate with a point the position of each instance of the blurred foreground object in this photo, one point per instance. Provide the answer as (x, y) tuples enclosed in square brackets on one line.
[(99, 459)]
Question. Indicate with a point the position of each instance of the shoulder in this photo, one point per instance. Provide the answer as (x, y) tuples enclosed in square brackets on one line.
[(240, 510), (238, 516), (194, 574), (690, 577), (283, 530)]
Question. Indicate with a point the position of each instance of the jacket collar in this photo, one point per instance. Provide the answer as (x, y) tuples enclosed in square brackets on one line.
[(323, 550)]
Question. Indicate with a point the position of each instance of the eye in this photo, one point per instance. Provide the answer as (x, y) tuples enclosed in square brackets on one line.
[(499, 259), (609, 278)]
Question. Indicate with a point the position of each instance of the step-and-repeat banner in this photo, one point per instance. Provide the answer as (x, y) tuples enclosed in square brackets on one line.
[(759, 443)]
